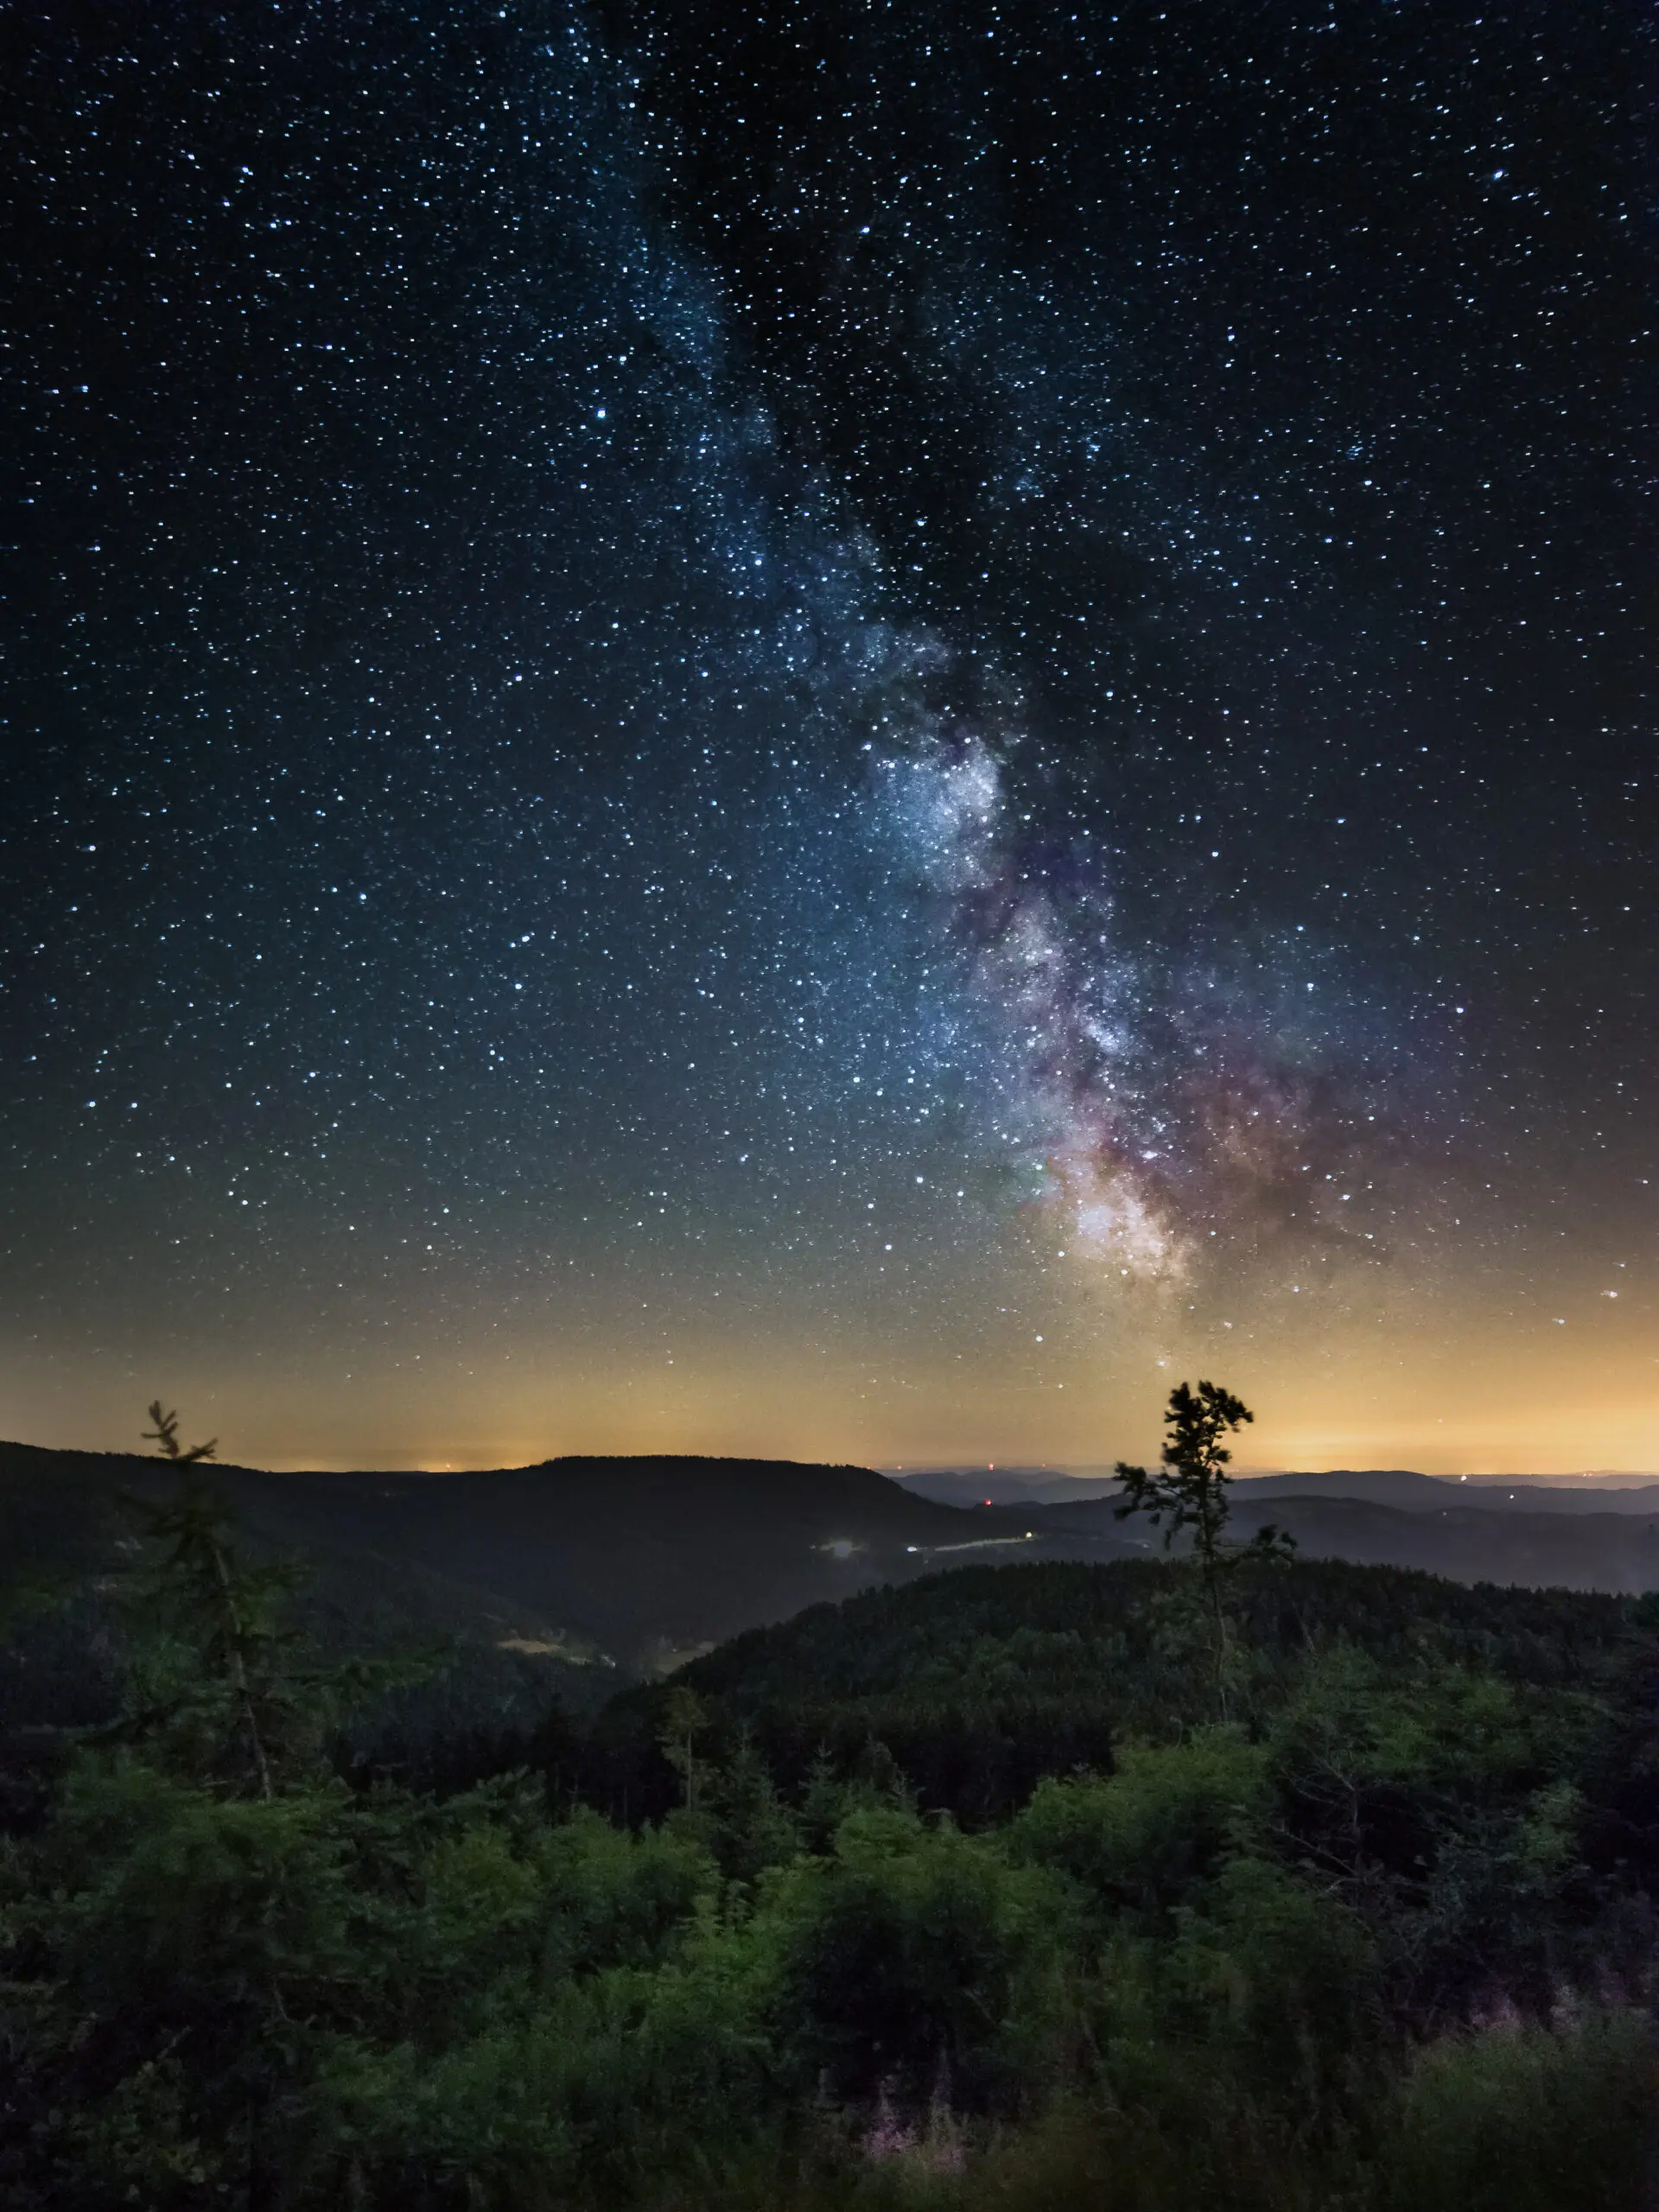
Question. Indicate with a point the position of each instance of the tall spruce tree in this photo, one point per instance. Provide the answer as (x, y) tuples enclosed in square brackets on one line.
[(229, 1613), (1188, 1490)]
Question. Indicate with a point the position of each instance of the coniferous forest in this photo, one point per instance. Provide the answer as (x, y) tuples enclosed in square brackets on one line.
[(1229, 1879)]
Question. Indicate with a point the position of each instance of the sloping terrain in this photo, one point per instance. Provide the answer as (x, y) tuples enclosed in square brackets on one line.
[(1400, 1486), (570, 1576), (1412, 1492), (1570, 1548), (640, 1559), (974, 1685), (1589, 1551)]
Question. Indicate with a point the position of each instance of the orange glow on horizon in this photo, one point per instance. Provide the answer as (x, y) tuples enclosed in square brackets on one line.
[(1490, 1397)]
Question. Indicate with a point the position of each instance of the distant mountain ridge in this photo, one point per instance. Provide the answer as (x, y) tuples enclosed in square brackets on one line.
[(582, 1570), (991, 1485), (640, 1557), (1596, 1491), (1402, 1487), (1468, 1541)]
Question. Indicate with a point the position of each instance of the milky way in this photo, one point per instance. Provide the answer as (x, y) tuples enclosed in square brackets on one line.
[(835, 734), (1162, 1106)]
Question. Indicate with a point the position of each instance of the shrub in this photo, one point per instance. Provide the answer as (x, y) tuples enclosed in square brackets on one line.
[(1526, 2119)]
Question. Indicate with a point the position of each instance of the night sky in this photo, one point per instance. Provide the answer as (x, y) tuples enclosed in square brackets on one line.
[(841, 731)]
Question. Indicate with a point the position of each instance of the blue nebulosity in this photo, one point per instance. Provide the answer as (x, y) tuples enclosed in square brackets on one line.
[(818, 661)]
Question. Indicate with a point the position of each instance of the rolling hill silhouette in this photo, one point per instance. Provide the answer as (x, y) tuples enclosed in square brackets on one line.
[(639, 1559), (581, 1571), (1574, 1542)]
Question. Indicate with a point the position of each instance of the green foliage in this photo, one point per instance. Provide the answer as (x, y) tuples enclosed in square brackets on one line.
[(1528, 2119), (206, 1676), (220, 1681), (684, 1723), (1188, 1494), (1157, 1962), (1272, 1985), (1144, 1840), (911, 1956), (1444, 1806), (753, 1828)]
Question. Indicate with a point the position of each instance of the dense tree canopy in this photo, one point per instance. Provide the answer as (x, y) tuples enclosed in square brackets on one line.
[(956, 1895)]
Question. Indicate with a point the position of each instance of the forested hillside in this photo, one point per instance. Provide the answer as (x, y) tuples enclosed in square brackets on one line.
[(1033, 1887), (984, 1680), (610, 1567)]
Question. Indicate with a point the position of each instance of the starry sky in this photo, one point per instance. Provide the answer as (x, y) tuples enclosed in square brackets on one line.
[(840, 732)]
